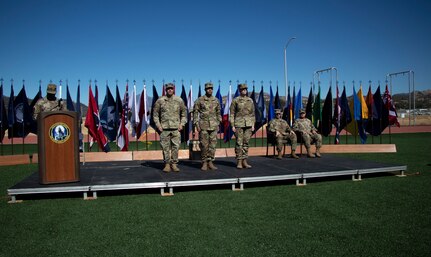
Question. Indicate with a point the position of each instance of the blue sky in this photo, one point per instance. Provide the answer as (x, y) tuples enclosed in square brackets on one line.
[(212, 40)]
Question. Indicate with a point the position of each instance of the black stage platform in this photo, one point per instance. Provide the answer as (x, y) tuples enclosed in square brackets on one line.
[(100, 176)]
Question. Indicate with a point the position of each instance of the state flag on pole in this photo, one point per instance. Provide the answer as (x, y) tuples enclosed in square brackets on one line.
[(277, 103), (123, 134), (317, 113), (190, 104), (298, 103), (143, 113), (271, 110), (69, 100), (33, 126), (337, 117), (185, 131), (10, 113), (309, 107), (134, 109), (390, 108), (92, 122), (220, 100), (326, 124), (118, 108), (3, 118), (78, 109), (362, 122), (155, 97), (260, 111), (287, 112), (21, 116), (378, 116), (345, 115), (107, 116), (227, 129)]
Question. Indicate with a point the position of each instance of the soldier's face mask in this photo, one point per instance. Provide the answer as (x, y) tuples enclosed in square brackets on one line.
[(51, 97)]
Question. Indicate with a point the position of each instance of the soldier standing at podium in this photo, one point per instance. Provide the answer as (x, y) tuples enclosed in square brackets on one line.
[(49, 103)]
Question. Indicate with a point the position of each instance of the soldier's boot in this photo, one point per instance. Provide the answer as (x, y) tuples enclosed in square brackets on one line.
[(167, 168), (204, 166), (309, 154), (239, 164), (280, 155), (245, 164), (293, 155), (318, 153), (211, 165), (174, 167)]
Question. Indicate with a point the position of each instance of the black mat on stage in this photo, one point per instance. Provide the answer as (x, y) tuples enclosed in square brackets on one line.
[(129, 172)]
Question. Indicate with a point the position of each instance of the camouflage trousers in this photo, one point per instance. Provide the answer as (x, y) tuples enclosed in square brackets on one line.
[(208, 143), (289, 138), (170, 141), (310, 139), (242, 136)]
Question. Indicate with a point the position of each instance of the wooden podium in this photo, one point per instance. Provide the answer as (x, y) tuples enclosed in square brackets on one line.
[(57, 137)]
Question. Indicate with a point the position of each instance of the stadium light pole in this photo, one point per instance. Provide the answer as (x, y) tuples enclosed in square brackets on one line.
[(285, 63)]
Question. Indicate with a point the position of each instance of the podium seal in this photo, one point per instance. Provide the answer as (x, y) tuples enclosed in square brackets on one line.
[(59, 132)]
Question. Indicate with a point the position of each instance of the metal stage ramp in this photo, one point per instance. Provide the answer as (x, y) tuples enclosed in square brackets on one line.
[(125, 175)]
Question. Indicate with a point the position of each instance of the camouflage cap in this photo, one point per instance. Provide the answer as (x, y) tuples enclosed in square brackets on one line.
[(209, 85), (169, 85), (302, 111), (51, 89), (278, 111), (242, 86)]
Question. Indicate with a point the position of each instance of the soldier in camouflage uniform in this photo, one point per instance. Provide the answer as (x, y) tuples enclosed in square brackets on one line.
[(309, 134), (207, 118), (282, 132), (49, 103), (170, 117), (242, 119)]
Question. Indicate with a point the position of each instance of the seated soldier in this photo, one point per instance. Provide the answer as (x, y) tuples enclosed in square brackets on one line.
[(282, 132), (309, 134)]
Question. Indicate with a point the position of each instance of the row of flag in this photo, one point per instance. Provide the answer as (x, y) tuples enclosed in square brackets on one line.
[(17, 118), (112, 122)]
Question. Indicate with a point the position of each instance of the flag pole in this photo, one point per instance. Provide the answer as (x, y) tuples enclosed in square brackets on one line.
[(145, 115), (345, 116), (88, 134), (380, 118), (262, 137), (13, 115), (136, 106), (219, 126), (116, 111), (78, 98), (1, 113), (254, 101), (356, 123), (23, 122), (372, 120)]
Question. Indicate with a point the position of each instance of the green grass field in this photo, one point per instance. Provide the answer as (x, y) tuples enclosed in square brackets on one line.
[(382, 215)]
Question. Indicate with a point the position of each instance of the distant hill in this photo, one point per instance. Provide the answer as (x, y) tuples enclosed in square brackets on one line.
[(423, 100)]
